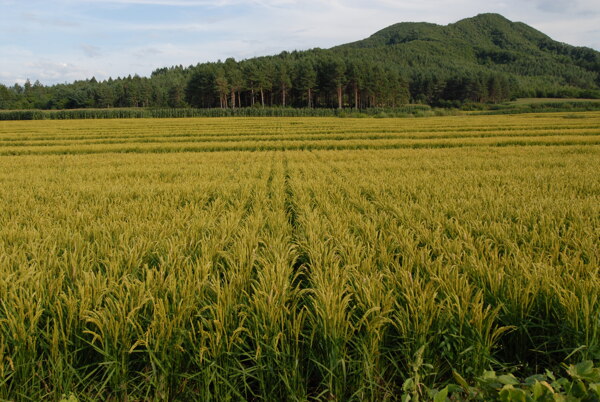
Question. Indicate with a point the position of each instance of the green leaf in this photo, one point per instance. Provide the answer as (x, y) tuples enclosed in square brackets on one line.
[(579, 390), (454, 388), (489, 375), (538, 390), (584, 371), (518, 395), (561, 383), (512, 394), (581, 368), (508, 379), (408, 385), (460, 380), (441, 396), (532, 380)]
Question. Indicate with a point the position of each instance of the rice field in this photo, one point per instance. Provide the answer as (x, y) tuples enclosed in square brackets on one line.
[(294, 258)]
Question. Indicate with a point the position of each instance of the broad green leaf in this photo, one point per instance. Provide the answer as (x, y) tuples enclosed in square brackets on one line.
[(441, 396), (508, 379), (538, 390), (408, 385)]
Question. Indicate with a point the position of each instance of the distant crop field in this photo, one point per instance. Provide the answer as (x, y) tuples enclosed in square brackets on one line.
[(294, 258)]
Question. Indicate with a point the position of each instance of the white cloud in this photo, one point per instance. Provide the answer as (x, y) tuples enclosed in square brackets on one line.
[(211, 30)]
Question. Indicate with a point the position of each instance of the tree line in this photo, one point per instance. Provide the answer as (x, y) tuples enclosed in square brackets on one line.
[(308, 79), (328, 82)]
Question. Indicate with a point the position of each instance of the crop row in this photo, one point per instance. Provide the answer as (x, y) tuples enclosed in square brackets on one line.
[(254, 126), (157, 139), (301, 145), (294, 275), (203, 135)]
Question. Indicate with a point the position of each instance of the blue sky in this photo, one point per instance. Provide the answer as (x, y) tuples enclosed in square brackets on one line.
[(64, 40)]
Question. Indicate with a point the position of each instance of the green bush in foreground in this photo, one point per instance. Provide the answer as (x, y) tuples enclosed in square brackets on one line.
[(581, 384)]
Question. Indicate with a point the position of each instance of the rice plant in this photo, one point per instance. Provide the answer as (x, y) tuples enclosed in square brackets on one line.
[(328, 259)]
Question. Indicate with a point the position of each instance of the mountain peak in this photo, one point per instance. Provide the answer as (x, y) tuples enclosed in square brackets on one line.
[(488, 43), (482, 30)]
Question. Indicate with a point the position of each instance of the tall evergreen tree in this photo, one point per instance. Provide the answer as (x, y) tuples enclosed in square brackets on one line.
[(306, 79), (283, 79)]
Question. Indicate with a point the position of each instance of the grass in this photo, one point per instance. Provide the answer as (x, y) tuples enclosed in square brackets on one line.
[(174, 273)]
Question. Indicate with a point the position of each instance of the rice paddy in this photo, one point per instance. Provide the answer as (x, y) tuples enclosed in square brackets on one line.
[(294, 258)]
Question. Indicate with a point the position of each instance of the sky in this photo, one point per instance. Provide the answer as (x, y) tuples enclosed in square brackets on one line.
[(65, 40)]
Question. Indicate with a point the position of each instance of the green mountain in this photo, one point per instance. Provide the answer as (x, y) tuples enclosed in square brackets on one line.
[(485, 43), (486, 58)]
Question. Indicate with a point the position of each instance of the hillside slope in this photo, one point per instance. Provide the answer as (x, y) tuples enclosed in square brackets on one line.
[(487, 42)]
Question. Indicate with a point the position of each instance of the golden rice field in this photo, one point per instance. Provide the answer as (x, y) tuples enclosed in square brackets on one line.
[(301, 258)]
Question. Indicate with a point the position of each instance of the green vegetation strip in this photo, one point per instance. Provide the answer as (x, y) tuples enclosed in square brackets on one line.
[(142, 113)]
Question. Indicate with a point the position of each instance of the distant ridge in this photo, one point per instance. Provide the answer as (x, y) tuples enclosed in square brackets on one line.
[(485, 42)]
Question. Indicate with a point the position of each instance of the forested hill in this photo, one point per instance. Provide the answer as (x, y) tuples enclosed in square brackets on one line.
[(487, 43), (486, 58)]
